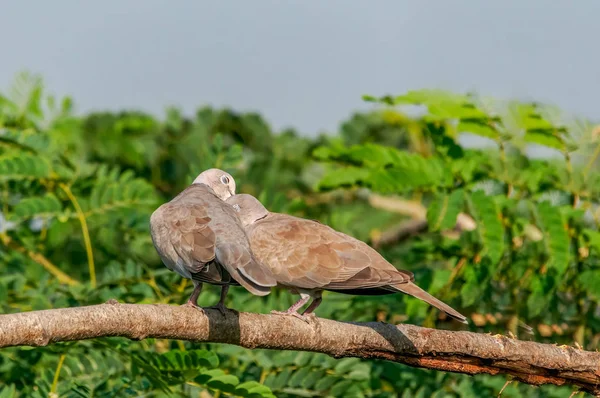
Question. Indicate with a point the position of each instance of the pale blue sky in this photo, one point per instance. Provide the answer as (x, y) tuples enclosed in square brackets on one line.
[(302, 63)]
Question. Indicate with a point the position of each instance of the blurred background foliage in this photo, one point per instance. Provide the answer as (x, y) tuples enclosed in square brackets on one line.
[(507, 238)]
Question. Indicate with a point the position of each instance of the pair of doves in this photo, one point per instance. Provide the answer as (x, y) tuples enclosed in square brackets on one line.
[(209, 234)]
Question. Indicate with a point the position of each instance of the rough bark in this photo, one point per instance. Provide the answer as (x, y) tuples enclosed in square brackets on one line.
[(452, 351)]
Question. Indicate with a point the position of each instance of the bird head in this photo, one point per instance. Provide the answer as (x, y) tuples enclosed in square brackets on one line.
[(221, 182), (248, 208)]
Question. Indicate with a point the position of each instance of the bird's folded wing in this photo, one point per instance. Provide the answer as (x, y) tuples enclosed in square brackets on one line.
[(187, 229), (371, 278), (309, 255), (378, 273)]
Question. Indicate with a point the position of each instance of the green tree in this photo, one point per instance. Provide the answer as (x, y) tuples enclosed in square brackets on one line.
[(509, 239)]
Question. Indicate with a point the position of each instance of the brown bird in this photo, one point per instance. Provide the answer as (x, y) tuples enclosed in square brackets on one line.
[(308, 257), (200, 237)]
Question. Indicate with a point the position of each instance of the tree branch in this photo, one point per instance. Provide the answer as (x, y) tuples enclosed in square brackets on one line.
[(460, 352), (417, 224), (398, 233)]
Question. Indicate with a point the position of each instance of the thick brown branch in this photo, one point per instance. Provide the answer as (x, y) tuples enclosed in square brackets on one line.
[(461, 352)]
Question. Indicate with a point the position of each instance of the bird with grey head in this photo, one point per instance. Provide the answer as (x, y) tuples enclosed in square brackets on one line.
[(199, 236), (308, 257)]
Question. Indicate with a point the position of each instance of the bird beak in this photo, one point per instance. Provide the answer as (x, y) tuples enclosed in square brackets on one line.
[(230, 193)]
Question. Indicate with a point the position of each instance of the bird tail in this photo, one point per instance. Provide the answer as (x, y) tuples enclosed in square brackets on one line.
[(414, 290)]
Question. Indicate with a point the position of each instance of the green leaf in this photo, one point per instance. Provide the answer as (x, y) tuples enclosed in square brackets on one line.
[(281, 379), (593, 238), (414, 175), (369, 98), (226, 383), (325, 383), (384, 169), (541, 288), (482, 129), (528, 117), (27, 140), (489, 225), (8, 391), (302, 358), (252, 389), (310, 380), (361, 371), (446, 110), (465, 389), (23, 166), (204, 358), (590, 280), (346, 364), (534, 122), (299, 376), (428, 96), (546, 138), (554, 227), (299, 392), (340, 388), (372, 155), (116, 191), (205, 376), (345, 176), (444, 209), (186, 360), (44, 206), (473, 288), (284, 358)]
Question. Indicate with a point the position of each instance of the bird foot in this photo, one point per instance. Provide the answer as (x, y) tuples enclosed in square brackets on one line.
[(190, 303), (310, 318), (221, 307), (306, 318)]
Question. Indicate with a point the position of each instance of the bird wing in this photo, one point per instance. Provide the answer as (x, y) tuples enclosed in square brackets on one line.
[(182, 233), (309, 255)]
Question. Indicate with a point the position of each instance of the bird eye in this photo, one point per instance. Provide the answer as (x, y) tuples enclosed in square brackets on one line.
[(225, 180)]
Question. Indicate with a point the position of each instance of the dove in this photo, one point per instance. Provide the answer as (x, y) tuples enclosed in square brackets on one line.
[(308, 257), (200, 237)]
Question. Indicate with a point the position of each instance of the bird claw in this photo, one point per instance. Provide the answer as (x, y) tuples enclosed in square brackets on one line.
[(301, 317), (221, 307), (306, 318), (282, 313), (310, 318), (193, 305)]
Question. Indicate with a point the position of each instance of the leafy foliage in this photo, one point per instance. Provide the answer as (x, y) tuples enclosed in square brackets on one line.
[(512, 239)]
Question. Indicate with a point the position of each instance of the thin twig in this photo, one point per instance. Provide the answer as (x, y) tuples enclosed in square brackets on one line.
[(54, 387), (86, 233), (504, 387), (40, 259)]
